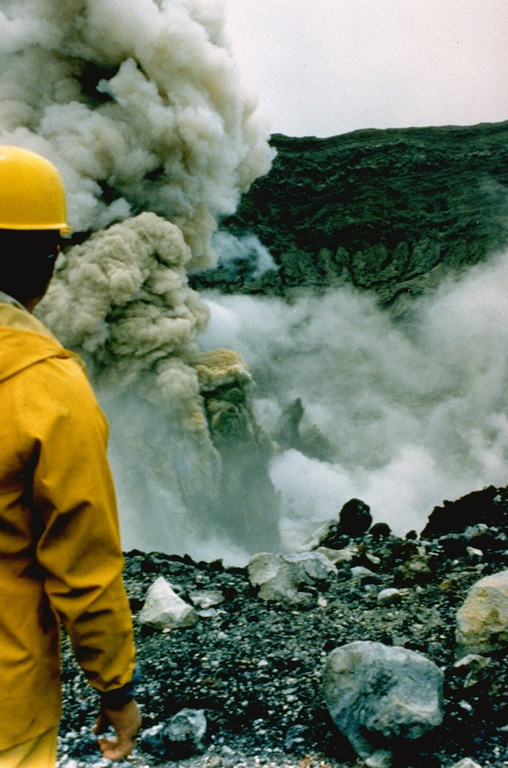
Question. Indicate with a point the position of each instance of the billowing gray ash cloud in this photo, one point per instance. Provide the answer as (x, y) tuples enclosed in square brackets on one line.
[(139, 105)]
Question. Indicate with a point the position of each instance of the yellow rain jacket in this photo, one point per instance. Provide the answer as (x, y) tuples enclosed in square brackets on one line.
[(60, 553)]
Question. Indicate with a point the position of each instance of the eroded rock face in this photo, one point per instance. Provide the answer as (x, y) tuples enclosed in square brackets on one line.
[(247, 506), (392, 211), (377, 693), (292, 432)]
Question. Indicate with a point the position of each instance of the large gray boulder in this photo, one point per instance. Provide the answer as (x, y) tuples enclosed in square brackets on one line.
[(377, 694)]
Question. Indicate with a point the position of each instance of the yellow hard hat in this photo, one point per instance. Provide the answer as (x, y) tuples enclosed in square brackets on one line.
[(32, 194)]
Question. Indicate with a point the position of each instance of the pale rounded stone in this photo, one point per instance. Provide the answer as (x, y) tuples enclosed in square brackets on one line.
[(482, 620)]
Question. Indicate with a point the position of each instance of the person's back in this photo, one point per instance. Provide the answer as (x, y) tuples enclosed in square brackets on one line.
[(60, 552)]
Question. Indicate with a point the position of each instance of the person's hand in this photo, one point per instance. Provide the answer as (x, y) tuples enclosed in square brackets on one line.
[(126, 721)]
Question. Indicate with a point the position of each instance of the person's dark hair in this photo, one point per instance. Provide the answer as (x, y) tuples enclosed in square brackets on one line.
[(27, 261)]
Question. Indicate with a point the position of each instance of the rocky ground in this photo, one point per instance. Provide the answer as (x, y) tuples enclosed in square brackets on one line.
[(254, 668)]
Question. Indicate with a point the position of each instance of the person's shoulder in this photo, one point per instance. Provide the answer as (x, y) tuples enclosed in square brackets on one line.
[(66, 372), (58, 381), (54, 397)]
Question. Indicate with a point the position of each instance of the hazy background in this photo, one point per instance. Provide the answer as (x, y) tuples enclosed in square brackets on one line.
[(324, 67)]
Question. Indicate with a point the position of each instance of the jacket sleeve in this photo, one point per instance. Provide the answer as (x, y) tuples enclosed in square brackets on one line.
[(79, 543)]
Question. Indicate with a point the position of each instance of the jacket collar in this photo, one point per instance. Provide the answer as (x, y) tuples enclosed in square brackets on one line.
[(6, 299)]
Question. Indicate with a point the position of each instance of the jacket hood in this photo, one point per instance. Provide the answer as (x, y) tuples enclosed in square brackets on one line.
[(24, 341)]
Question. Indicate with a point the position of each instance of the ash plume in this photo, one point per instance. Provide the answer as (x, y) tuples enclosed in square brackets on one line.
[(122, 298)]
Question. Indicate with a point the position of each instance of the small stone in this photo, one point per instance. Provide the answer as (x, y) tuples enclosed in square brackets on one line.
[(472, 659), (382, 758), (363, 574), (206, 598), (473, 552), (187, 726), (476, 668), (380, 531), (389, 596)]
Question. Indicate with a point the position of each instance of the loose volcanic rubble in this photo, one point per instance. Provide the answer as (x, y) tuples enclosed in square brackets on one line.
[(241, 684)]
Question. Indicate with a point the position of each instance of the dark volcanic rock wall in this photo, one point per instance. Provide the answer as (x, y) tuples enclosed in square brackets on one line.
[(389, 210)]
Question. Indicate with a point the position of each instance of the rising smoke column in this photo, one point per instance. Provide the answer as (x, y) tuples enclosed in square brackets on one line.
[(139, 105), (122, 299)]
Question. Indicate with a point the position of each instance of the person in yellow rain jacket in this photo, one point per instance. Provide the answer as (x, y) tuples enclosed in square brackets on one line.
[(60, 553)]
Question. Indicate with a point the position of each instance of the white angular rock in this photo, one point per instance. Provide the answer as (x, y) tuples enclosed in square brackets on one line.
[(376, 693), (279, 577), (389, 596), (344, 555), (482, 620), (312, 566), (206, 598), (164, 609)]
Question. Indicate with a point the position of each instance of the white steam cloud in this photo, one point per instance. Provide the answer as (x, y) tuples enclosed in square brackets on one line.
[(417, 408), (242, 256)]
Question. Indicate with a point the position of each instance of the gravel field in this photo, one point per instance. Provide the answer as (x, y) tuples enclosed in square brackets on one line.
[(254, 668)]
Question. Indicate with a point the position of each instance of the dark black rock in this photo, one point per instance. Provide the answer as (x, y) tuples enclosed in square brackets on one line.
[(354, 521), (355, 518), (488, 506), (380, 530)]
